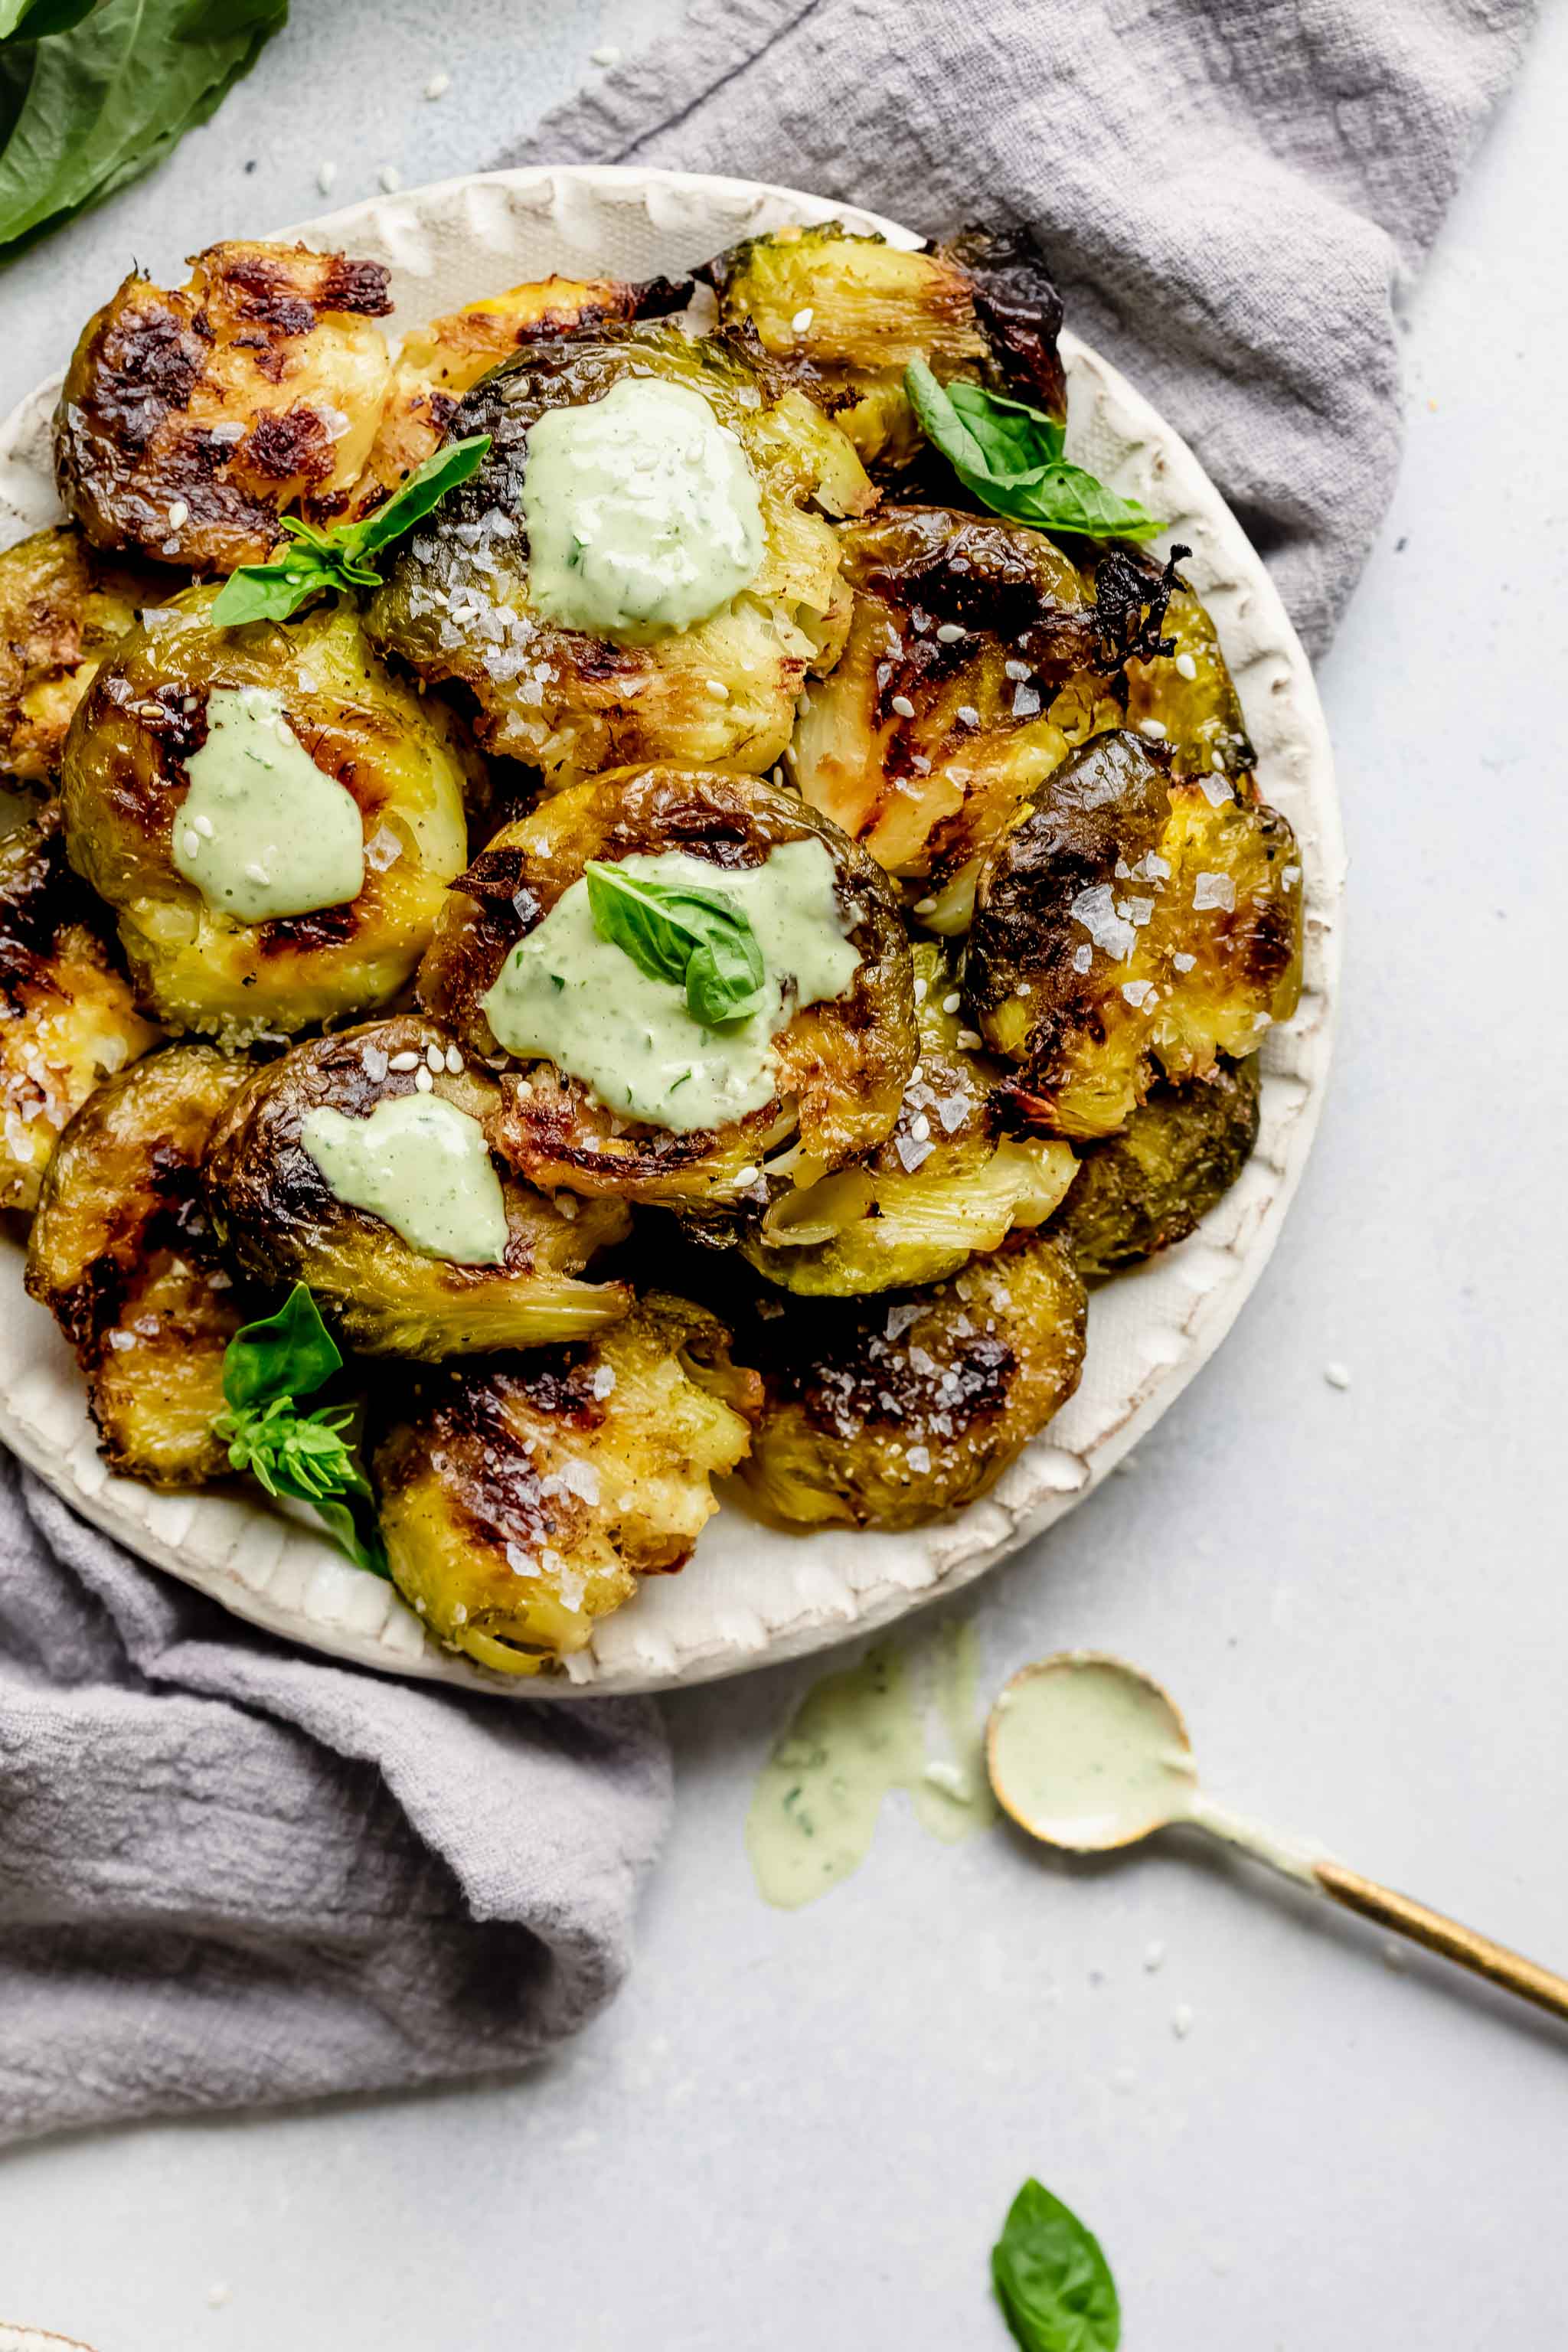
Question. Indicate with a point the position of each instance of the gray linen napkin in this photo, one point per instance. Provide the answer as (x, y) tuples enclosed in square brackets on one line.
[(233, 1874), (1229, 191)]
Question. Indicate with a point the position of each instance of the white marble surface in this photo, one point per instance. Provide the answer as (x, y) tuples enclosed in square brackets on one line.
[(806, 2127)]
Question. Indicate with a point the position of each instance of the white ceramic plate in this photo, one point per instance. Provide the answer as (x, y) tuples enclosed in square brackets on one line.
[(751, 1595)]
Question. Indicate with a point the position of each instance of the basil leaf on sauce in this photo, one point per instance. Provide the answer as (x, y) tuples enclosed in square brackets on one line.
[(1010, 457), (1052, 2280), (91, 98), (267, 1368), (696, 939), (316, 560)]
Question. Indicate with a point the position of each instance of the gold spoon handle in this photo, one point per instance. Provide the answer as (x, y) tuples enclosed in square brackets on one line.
[(1494, 1961)]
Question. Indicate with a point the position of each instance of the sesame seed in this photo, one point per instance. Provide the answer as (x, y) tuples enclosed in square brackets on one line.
[(717, 689), (802, 321), (256, 873), (606, 54), (403, 1061), (747, 1175), (435, 1057), (423, 1081), (903, 706), (969, 1038), (949, 633), (1181, 2020), (391, 178), (925, 906), (325, 174), (1337, 1375), (179, 513), (454, 1062), (1186, 667), (439, 85), (949, 1004), (204, 825), (1153, 728), (1154, 1956), (191, 841), (920, 1128)]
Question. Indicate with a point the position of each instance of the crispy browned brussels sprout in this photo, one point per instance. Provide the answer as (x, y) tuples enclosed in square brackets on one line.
[(122, 1254), (1183, 697), (978, 655), (62, 607), (944, 1185), (190, 422), (282, 1223), (520, 1501), (440, 362), (841, 1064), (1128, 924), (1149, 1186), (67, 1019), (847, 313), (125, 782), (889, 1414), (457, 606)]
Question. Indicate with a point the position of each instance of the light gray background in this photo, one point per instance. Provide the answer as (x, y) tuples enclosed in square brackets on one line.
[(805, 2127)]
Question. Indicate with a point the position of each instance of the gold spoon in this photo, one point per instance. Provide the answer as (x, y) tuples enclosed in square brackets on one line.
[(1088, 1754)]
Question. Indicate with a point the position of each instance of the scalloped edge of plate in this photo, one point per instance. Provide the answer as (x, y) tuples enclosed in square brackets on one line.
[(751, 1595)]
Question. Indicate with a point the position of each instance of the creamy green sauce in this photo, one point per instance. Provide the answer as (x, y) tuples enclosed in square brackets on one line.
[(423, 1165), (575, 998), (642, 511), (1088, 1754), (856, 1738), (262, 833)]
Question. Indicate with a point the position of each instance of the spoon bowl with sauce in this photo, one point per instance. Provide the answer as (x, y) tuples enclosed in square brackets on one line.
[(1088, 1755)]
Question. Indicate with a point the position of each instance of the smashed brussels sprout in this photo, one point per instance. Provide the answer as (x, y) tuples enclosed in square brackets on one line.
[(888, 1416), (847, 314), (841, 1064), (67, 1019), (946, 1184), (1149, 1186), (282, 1223), (978, 655), (522, 1500), (457, 607), (1130, 925), (62, 607), (190, 421), (437, 364), (124, 780), (122, 1254)]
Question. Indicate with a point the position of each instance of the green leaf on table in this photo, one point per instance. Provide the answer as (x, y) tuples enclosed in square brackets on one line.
[(1010, 457), (95, 99), (699, 940), (1052, 2280), (268, 1366), (316, 560)]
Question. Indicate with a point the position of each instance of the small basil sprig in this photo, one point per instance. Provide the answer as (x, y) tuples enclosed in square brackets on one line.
[(267, 1368), (697, 939), (1010, 455), (1052, 2280), (317, 560)]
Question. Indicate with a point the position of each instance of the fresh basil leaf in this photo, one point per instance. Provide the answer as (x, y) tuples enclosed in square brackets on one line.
[(697, 939), (289, 1354), (34, 20), (270, 591), (1009, 455), (1052, 2280), (358, 1532), (317, 560), (112, 92), (414, 498)]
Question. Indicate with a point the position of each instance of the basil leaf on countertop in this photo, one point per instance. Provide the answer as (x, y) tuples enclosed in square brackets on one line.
[(93, 99), (1010, 457), (315, 560), (267, 1367), (1052, 2280), (696, 939)]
